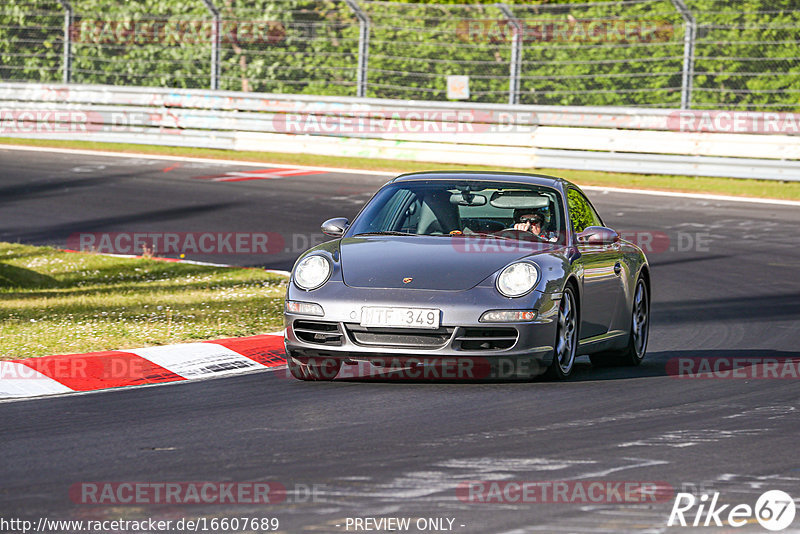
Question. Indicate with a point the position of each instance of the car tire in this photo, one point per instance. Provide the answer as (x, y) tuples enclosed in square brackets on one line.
[(634, 352), (313, 369), (566, 343)]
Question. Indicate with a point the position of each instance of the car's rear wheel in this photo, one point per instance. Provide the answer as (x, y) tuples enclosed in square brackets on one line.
[(566, 343), (634, 351), (313, 368)]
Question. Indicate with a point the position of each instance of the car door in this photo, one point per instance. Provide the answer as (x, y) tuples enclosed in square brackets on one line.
[(601, 266)]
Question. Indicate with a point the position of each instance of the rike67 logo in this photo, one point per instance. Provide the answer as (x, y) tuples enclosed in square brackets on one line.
[(774, 510)]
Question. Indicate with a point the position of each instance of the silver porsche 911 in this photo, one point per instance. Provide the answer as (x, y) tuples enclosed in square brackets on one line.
[(468, 275)]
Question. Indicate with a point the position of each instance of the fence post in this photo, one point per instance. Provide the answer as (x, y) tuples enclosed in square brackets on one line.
[(688, 52), (215, 40), (516, 53), (363, 47), (67, 61)]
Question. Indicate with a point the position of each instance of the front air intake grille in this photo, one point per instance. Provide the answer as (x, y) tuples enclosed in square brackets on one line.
[(319, 332), (485, 338), (399, 337)]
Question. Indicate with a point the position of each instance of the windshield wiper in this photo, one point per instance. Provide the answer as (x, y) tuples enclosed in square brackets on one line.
[(484, 234), (387, 232)]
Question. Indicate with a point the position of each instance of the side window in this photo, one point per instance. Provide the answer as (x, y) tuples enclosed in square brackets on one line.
[(383, 219), (581, 212), (410, 219)]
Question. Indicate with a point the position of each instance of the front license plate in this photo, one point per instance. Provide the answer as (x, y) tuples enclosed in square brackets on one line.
[(400, 317)]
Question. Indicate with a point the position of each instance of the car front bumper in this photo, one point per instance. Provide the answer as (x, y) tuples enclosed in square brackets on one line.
[(509, 349)]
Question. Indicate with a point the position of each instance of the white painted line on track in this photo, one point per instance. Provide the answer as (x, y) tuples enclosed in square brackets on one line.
[(229, 162), (180, 260), (699, 196)]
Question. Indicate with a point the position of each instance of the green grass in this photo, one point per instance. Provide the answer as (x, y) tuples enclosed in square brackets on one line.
[(55, 302), (690, 184)]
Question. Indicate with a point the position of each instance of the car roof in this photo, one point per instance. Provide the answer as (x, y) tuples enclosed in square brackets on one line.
[(488, 176)]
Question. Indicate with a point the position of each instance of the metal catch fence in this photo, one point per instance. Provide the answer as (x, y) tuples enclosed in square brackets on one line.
[(643, 53)]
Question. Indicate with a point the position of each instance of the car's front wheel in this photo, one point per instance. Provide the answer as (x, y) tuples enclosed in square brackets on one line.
[(634, 352), (313, 368), (566, 343)]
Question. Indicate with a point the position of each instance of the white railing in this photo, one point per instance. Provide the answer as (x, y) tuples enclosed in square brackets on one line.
[(649, 141)]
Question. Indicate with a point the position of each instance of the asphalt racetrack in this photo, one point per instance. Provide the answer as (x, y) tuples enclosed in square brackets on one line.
[(725, 285)]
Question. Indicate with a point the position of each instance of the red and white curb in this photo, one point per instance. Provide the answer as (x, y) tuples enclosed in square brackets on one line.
[(68, 373)]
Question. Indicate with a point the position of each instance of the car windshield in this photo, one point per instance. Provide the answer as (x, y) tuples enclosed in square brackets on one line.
[(463, 208)]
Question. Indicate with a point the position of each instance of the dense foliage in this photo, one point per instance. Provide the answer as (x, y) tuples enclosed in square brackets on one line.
[(597, 53)]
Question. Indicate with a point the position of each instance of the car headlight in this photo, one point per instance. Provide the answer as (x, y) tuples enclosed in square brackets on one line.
[(517, 279), (312, 272)]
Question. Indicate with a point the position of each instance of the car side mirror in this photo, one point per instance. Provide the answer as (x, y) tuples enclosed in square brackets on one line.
[(598, 235), (335, 227)]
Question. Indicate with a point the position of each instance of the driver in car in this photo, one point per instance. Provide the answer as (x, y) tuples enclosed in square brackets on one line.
[(532, 221)]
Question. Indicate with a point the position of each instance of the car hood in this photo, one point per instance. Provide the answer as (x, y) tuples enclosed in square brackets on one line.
[(440, 263)]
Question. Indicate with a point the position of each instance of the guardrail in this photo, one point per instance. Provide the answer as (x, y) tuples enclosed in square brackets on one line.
[(649, 141)]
